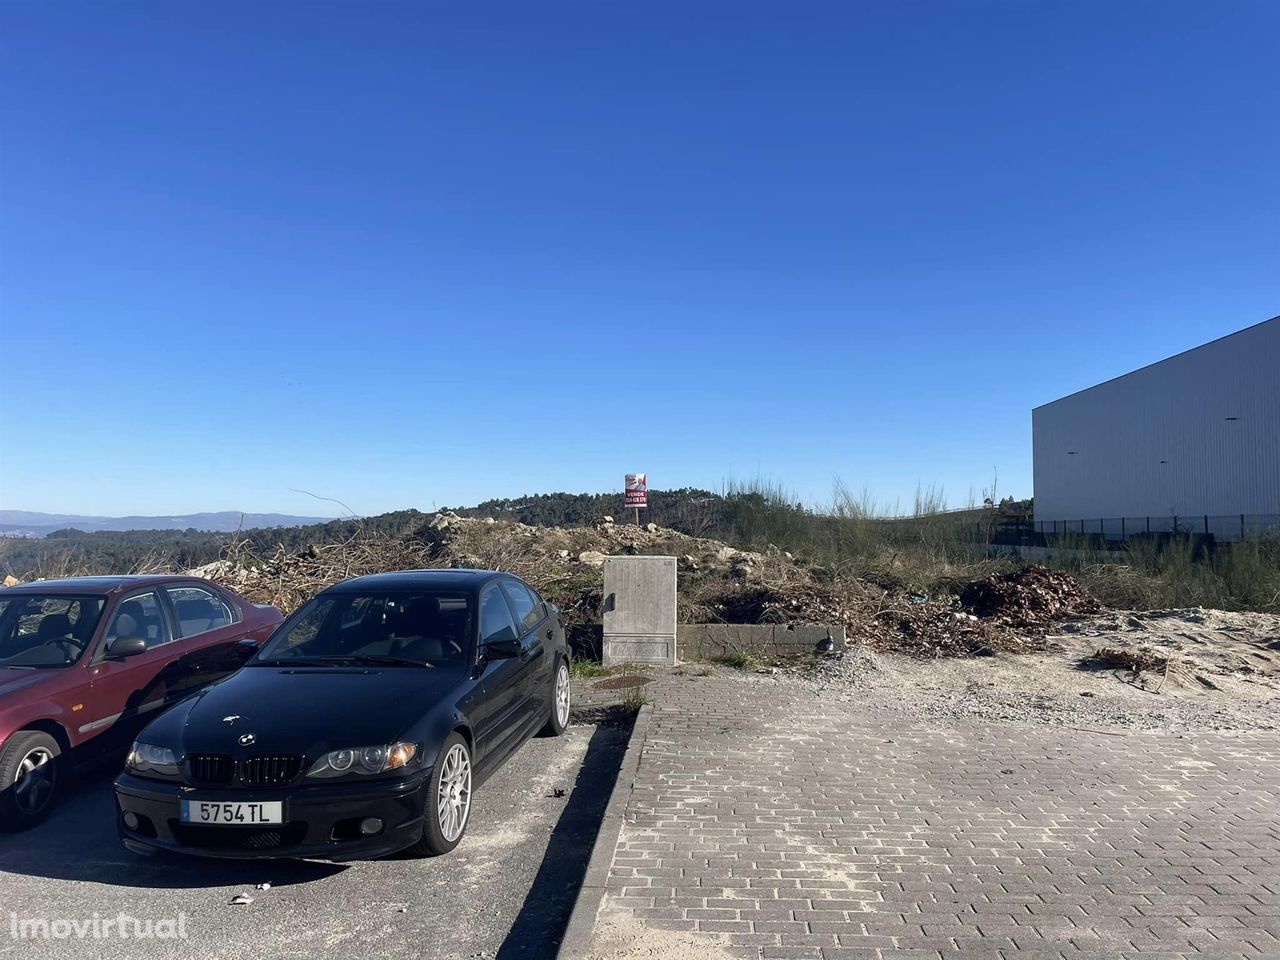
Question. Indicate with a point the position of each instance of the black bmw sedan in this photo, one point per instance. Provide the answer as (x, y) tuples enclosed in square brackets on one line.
[(359, 728)]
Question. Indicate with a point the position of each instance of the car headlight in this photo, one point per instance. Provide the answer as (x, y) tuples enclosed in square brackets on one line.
[(367, 760), (148, 758)]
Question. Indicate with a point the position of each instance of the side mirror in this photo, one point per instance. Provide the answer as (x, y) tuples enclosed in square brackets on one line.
[(122, 647), (246, 648), (502, 649)]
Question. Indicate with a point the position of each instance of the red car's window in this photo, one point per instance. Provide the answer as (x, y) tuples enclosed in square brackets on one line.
[(48, 631), (199, 610), (141, 616)]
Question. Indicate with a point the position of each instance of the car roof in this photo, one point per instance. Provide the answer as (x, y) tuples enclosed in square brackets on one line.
[(441, 579), (93, 585)]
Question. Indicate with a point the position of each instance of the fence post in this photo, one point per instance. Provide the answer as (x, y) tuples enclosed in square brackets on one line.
[(1206, 524), (1148, 524), (1122, 533), (1242, 526), (1082, 526), (1175, 524)]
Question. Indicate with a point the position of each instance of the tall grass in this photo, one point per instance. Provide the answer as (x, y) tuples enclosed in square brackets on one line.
[(932, 549), (1178, 572)]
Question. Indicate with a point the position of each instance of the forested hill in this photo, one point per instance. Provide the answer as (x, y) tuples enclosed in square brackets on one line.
[(742, 516)]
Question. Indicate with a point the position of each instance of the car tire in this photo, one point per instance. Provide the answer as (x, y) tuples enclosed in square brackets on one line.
[(448, 805), (559, 700), (30, 768)]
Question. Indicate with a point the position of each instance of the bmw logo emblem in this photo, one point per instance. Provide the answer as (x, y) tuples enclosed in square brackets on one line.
[(246, 739)]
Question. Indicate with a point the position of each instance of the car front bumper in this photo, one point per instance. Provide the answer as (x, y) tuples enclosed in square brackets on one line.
[(320, 820)]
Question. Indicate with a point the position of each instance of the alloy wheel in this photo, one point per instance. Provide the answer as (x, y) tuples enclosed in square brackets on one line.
[(454, 796), (34, 780), (562, 695)]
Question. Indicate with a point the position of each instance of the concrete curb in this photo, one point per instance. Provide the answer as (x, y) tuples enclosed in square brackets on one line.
[(582, 920)]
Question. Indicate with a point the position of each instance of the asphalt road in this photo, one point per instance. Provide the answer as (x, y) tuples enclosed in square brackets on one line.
[(504, 893)]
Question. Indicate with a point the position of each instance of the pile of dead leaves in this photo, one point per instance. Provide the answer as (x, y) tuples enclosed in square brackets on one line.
[(1028, 598)]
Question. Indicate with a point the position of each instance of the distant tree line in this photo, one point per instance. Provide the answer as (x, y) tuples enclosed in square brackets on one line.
[(746, 516)]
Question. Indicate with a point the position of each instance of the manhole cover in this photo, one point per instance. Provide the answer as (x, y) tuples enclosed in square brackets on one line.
[(621, 683)]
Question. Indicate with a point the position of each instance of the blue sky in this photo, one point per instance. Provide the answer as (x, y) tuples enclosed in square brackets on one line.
[(413, 254)]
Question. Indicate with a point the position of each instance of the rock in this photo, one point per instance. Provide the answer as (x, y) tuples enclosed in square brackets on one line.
[(593, 558), (489, 520), (10, 581), (725, 554), (212, 571), (651, 527), (607, 519), (241, 899), (564, 554), (687, 563)]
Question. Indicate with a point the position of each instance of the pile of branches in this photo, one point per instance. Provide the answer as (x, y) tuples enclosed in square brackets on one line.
[(287, 579), (1136, 659), (885, 619), (1030, 597)]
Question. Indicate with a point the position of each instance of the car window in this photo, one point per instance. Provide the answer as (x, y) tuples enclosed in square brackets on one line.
[(140, 616), (49, 631), (529, 609), (420, 626), (199, 610), (495, 618), (305, 628)]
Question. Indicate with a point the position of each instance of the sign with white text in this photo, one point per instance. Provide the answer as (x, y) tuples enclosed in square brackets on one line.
[(637, 490)]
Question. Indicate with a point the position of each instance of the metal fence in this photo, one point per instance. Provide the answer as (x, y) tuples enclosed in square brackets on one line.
[(1223, 527)]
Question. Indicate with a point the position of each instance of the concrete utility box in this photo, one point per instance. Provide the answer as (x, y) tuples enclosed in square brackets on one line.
[(639, 610)]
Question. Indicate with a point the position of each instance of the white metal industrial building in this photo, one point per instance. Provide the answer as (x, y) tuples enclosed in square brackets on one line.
[(1191, 442)]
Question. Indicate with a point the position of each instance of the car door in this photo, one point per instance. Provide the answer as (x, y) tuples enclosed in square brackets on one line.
[(127, 692), (500, 678), (538, 640), (209, 626)]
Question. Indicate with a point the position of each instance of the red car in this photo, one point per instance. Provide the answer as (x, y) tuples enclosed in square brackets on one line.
[(85, 662)]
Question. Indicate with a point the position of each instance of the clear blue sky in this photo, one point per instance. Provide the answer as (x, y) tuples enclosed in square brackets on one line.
[(413, 254)]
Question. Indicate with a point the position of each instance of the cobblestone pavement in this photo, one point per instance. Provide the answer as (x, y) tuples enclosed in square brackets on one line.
[(767, 822)]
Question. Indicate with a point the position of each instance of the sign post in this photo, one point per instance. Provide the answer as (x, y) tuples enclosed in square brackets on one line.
[(637, 492)]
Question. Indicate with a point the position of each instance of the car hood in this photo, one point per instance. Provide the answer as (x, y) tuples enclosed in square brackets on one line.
[(306, 710), (13, 679)]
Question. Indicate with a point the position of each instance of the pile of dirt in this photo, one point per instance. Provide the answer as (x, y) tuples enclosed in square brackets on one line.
[(1030, 597), (717, 583)]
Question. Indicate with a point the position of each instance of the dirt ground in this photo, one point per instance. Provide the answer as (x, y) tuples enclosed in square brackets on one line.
[(1223, 673)]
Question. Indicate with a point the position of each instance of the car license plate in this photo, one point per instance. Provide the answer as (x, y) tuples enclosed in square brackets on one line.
[(237, 814)]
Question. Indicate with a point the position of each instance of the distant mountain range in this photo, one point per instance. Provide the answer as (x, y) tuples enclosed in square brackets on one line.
[(25, 523)]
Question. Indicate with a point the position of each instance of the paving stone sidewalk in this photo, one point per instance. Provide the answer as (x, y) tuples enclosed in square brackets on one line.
[(766, 822)]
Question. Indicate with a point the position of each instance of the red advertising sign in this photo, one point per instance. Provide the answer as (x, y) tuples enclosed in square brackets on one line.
[(637, 490)]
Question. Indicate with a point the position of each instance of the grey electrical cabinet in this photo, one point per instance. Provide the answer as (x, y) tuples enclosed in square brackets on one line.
[(639, 610)]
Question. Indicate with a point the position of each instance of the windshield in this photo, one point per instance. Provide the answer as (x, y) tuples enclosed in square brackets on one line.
[(402, 628), (46, 631)]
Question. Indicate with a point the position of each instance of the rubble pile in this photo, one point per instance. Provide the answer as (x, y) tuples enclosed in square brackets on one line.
[(717, 582)]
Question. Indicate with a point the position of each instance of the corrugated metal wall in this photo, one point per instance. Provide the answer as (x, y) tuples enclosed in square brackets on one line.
[(1159, 442)]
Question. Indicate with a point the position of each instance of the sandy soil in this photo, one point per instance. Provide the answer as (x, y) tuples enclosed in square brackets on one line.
[(620, 936), (1223, 674)]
